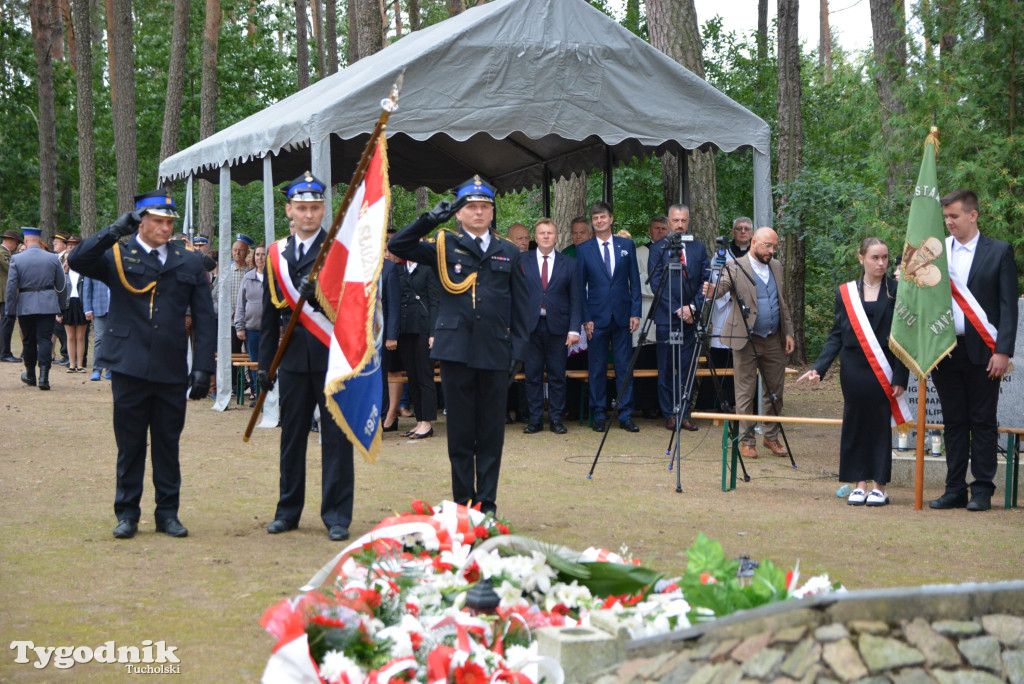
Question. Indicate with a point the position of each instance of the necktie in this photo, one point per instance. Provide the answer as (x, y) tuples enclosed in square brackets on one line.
[(155, 254), (544, 274), (302, 249), (682, 257), (607, 260), (479, 243)]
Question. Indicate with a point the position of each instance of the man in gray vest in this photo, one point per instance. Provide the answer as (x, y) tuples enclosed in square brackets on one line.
[(757, 284), (36, 293)]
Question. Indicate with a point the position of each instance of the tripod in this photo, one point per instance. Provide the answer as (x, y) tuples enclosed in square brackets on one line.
[(772, 395)]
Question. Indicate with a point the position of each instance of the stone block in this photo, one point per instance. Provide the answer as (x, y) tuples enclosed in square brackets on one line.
[(673, 663), (764, 664), (881, 654), (750, 646), (912, 675), (728, 673), (958, 629), (1013, 661), (582, 651), (681, 673), (964, 677), (705, 674), (844, 660), (832, 632), (876, 627), (790, 635), (1009, 629), (982, 652), (800, 660), (723, 649), (937, 649)]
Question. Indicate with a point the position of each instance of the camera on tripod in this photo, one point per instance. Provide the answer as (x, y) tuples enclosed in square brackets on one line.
[(674, 246)]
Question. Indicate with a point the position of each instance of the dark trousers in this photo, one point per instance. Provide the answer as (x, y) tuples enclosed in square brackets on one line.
[(670, 385), (969, 400), (414, 348), (6, 331), (574, 388), (545, 351), (476, 431), (620, 341), (147, 409), (62, 338), (37, 339), (300, 392)]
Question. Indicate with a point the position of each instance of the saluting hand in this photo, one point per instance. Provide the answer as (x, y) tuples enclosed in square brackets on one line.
[(126, 224)]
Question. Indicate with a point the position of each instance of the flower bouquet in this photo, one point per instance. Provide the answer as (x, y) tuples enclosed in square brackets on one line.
[(450, 595)]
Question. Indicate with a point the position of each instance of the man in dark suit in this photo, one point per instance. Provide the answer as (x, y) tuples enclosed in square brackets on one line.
[(481, 333), (676, 311), (36, 293), (610, 281), (152, 283), (390, 304), (303, 368), (968, 379), (554, 325)]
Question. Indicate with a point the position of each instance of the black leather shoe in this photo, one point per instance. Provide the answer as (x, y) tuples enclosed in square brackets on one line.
[(29, 378), (279, 526), (599, 425), (533, 428), (63, 362), (628, 425), (949, 500), (687, 425), (393, 428), (420, 435), (670, 423), (558, 428), (44, 378), (10, 358), (172, 527), (126, 529), (980, 501), (338, 533)]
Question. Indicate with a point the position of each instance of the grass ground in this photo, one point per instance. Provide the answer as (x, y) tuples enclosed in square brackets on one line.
[(67, 581)]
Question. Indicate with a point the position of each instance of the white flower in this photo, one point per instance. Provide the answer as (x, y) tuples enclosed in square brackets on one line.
[(569, 595), (819, 584), (401, 644), (623, 252), (510, 594), (457, 556), (336, 664)]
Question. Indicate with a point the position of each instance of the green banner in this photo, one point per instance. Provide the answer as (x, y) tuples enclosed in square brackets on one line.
[(922, 327)]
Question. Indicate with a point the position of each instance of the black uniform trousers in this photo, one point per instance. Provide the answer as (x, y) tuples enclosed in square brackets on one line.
[(969, 400), (6, 331), (545, 350), (300, 392), (476, 431), (62, 337), (37, 338), (154, 410), (414, 349), (670, 387)]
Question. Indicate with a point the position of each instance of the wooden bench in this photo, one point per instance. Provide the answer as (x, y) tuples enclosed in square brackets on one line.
[(731, 437)]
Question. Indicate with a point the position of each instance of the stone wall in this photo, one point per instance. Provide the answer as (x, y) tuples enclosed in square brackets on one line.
[(955, 634)]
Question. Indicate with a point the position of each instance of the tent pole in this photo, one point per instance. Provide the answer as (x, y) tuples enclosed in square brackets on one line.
[(320, 161), (546, 191), (683, 177), (762, 190), (268, 201), (225, 327), (607, 196)]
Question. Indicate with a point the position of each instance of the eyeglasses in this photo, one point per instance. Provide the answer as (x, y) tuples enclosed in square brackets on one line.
[(770, 245), (744, 229)]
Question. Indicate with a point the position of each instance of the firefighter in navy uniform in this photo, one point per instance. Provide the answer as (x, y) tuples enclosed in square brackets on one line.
[(152, 283), (481, 333), (303, 367)]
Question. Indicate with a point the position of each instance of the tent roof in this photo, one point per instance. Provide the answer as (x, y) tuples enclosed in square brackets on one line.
[(502, 90)]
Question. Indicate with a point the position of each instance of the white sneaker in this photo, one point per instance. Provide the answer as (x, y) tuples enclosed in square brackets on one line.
[(877, 498), (857, 497)]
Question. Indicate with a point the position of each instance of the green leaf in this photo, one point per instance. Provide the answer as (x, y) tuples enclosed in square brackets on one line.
[(614, 579)]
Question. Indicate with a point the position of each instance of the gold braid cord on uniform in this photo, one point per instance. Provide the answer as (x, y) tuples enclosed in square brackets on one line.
[(280, 304), (442, 269), (151, 288)]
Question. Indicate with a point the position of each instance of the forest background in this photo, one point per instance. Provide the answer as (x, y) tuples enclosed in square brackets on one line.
[(95, 93)]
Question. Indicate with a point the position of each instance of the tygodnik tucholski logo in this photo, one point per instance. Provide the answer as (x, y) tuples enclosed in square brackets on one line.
[(148, 658)]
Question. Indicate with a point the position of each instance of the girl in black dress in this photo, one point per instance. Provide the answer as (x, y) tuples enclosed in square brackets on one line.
[(865, 451)]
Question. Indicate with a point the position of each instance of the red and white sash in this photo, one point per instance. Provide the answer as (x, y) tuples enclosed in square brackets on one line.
[(973, 313), (873, 351), (314, 321)]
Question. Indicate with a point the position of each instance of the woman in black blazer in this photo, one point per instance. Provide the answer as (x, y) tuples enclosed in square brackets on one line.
[(865, 450), (421, 293)]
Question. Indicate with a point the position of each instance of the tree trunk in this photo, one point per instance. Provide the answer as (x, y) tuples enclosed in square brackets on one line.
[(57, 23), (398, 18), (43, 36), (454, 7), (824, 41), (790, 156), (762, 29), (318, 33), (208, 93), (568, 201), (370, 24), (414, 15), (422, 199), (331, 35), (84, 105), (301, 45), (175, 80), (353, 32), (888, 33), (672, 25), (122, 96)]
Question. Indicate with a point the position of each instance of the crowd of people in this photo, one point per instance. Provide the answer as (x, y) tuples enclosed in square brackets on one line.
[(491, 312)]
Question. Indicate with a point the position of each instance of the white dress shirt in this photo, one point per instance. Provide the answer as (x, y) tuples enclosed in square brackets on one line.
[(961, 257)]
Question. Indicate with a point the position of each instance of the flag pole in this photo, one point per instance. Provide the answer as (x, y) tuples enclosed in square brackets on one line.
[(388, 105), (922, 393)]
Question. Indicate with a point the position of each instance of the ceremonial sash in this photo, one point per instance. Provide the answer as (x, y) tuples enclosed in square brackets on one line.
[(873, 350), (314, 321), (973, 312)]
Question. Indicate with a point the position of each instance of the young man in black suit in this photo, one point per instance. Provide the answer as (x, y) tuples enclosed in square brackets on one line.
[(968, 379), (554, 325)]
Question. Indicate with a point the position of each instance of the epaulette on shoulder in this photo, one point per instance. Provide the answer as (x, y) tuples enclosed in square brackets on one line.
[(502, 237)]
